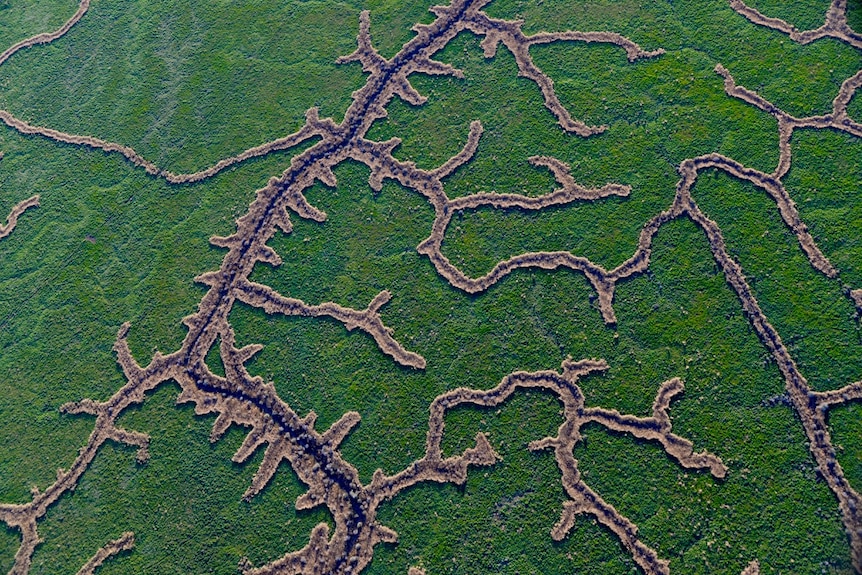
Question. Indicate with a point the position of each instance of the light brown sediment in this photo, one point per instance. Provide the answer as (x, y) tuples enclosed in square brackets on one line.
[(753, 568), (238, 398), (786, 206), (378, 156), (28, 129), (365, 53), (367, 320), (657, 428), (124, 543), (24, 517), (465, 155), (811, 406), (132, 156), (494, 30), (583, 499), (603, 281), (47, 37), (840, 119), (837, 120), (684, 206), (416, 571), (835, 25), (856, 296), (126, 151), (826, 399), (17, 210), (244, 400), (510, 34), (801, 395)]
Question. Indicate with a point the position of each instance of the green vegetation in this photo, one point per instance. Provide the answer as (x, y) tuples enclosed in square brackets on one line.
[(186, 84), (24, 19)]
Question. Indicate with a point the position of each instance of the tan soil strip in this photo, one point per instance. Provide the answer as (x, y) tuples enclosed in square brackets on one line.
[(510, 34), (48, 36), (367, 320), (136, 159), (837, 120), (583, 499), (840, 120), (124, 543), (835, 25), (378, 156), (846, 394), (496, 30), (17, 210), (786, 207), (126, 151), (812, 417), (244, 400)]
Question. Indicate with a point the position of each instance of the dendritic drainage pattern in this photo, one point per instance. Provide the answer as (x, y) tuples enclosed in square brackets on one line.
[(240, 399)]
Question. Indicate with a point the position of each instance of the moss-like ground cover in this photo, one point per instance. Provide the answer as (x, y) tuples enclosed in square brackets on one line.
[(186, 84)]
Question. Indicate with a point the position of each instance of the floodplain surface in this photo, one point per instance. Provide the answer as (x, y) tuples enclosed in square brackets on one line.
[(533, 287)]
